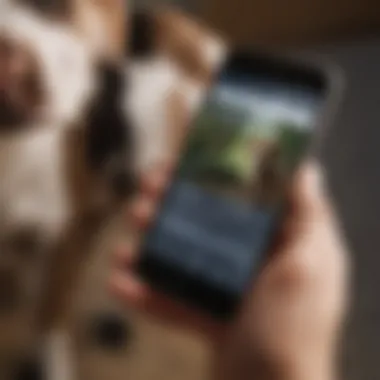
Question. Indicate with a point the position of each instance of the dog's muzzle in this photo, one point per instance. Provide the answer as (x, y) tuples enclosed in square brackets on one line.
[(21, 90)]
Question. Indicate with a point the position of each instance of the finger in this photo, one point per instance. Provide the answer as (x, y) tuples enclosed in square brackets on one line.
[(126, 286)]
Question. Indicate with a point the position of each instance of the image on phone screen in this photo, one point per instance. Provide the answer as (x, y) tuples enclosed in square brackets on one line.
[(219, 213)]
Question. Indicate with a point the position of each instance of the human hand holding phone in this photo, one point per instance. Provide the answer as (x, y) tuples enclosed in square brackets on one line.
[(289, 325)]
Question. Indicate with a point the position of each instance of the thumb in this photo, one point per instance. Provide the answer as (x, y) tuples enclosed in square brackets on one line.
[(309, 199)]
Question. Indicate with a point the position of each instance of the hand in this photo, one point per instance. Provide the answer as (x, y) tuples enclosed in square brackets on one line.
[(290, 323)]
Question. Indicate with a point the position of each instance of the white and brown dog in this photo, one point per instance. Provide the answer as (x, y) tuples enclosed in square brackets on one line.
[(55, 181), (64, 140)]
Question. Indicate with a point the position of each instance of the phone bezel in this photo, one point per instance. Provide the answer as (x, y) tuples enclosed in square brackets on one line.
[(191, 290)]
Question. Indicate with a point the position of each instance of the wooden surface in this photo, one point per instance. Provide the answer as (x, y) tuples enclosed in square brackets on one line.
[(155, 351)]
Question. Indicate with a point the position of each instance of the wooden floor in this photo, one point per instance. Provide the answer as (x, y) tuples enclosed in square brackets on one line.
[(155, 351)]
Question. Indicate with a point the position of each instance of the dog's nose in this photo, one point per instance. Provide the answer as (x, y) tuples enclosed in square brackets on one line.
[(20, 85)]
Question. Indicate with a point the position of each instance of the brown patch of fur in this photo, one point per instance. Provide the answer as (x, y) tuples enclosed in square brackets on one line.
[(184, 40), (109, 16)]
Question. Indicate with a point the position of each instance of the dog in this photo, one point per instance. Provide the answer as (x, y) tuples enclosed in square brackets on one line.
[(62, 171), (57, 79)]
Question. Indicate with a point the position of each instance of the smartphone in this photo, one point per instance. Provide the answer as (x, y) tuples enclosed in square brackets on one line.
[(225, 204)]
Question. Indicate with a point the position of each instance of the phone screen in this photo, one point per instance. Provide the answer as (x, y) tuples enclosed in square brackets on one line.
[(221, 210)]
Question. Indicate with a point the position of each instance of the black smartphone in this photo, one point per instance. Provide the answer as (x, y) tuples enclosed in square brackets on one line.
[(224, 206)]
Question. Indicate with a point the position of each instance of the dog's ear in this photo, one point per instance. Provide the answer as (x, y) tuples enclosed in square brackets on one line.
[(103, 23), (193, 45)]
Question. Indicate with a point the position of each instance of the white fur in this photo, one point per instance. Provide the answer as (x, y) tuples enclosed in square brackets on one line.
[(32, 189), (151, 84), (66, 62)]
